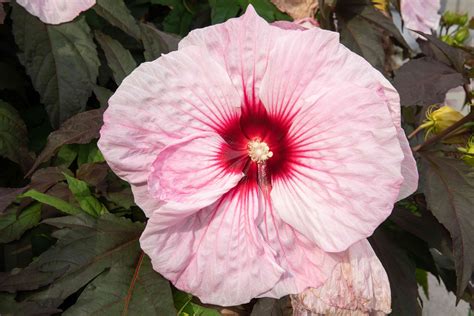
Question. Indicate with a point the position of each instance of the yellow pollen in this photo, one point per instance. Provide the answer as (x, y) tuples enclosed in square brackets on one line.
[(258, 151)]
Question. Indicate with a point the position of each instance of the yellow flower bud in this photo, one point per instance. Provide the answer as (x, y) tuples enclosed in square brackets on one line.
[(440, 119)]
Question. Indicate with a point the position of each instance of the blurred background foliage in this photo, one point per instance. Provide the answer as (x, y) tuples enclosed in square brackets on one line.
[(69, 228)]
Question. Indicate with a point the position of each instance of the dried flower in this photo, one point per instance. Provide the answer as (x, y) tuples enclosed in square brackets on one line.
[(358, 286)]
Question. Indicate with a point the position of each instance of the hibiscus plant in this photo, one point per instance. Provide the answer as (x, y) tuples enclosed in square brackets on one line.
[(234, 157)]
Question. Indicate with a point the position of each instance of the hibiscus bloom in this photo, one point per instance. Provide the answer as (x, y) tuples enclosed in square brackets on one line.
[(421, 15), (56, 11), (258, 155)]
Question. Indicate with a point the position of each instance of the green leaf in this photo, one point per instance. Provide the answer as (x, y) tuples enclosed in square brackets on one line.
[(80, 129), (178, 21), (134, 289), (61, 60), (89, 153), (266, 9), (448, 185), (12, 225), (83, 195), (55, 202), (118, 58), (10, 307), (222, 10), (117, 14), (13, 135), (157, 42), (66, 155), (422, 279), (185, 306)]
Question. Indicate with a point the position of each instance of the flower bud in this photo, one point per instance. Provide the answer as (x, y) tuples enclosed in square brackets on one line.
[(440, 119), (468, 152), (462, 19), (447, 39), (449, 18), (461, 35)]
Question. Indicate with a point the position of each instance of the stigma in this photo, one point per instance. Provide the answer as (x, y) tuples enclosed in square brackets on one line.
[(259, 151)]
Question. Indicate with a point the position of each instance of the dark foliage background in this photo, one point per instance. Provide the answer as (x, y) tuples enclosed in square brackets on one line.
[(68, 226)]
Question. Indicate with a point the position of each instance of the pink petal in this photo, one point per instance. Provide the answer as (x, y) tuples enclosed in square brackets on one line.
[(217, 254), (421, 15), (288, 25), (292, 67), (242, 45), (358, 286), (301, 24), (56, 11), (190, 175), (304, 263), (159, 103), (295, 71), (409, 169), (345, 170)]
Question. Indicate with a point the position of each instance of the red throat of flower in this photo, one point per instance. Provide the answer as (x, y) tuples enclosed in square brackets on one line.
[(259, 146)]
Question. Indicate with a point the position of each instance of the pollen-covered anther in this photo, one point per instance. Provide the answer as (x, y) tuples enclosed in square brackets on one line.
[(259, 151)]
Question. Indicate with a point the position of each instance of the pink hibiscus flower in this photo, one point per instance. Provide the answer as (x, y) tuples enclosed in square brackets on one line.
[(421, 15), (258, 154), (56, 11)]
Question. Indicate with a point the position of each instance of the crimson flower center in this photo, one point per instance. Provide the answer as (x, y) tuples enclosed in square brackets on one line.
[(256, 138)]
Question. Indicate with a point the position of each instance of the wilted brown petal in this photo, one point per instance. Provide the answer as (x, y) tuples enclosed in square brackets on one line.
[(297, 9)]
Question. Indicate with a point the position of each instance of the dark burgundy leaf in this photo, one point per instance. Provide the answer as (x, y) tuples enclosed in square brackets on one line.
[(157, 42), (93, 173), (43, 179), (425, 81), (79, 129), (448, 185), (8, 195), (85, 247), (442, 52), (273, 307), (358, 35), (401, 273), (423, 225), (367, 10)]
